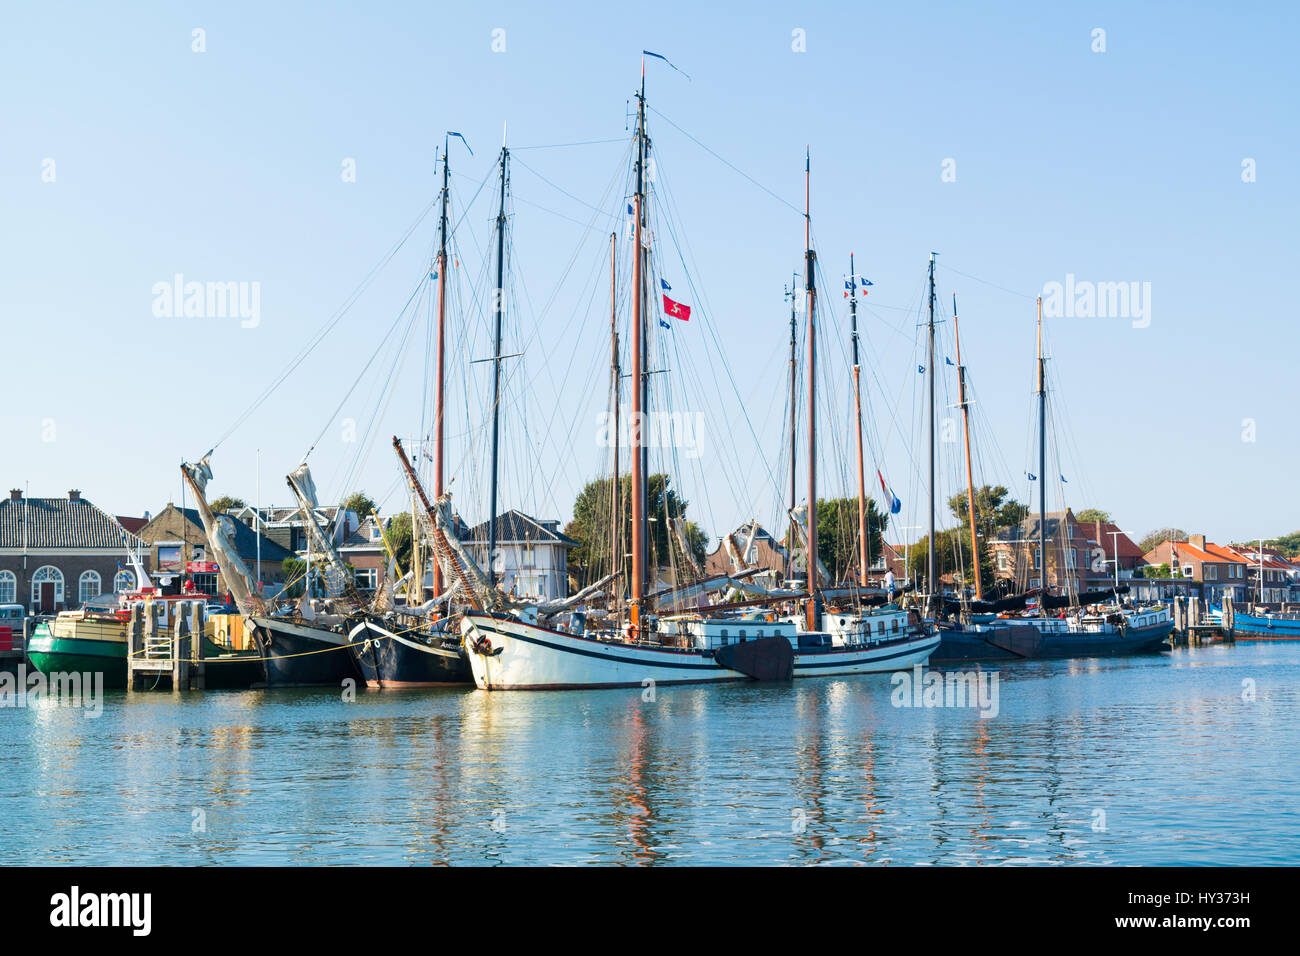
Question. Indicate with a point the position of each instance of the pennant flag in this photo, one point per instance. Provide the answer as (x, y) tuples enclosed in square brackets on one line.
[(631, 221), (660, 56), (463, 140), (948, 361), (682, 312), (895, 506), (920, 369), (1063, 479), (1032, 476), (664, 324), (664, 283)]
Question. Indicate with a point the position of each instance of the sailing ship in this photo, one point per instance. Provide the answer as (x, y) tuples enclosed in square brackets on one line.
[(1109, 630), (657, 641), (302, 645)]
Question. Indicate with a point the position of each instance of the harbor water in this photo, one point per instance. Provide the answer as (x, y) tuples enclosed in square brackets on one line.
[(1189, 757)]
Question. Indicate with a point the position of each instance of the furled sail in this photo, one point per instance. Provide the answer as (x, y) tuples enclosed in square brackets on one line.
[(336, 576), (239, 579)]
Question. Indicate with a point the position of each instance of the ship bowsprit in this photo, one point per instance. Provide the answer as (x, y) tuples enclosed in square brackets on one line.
[(764, 658)]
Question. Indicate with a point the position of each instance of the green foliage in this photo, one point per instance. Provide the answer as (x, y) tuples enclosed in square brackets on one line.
[(361, 503), (590, 527), (1089, 515), (1288, 544), (399, 539), (837, 534), (1156, 571), (994, 509), (226, 503), (1161, 535)]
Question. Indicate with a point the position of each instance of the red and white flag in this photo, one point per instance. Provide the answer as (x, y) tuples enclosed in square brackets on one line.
[(677, 310)]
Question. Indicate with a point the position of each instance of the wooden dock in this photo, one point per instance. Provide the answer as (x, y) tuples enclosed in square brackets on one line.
[(1194, 627), (155, 651)]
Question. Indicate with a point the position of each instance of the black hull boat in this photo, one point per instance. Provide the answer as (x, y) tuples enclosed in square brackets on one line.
[(1029, 641), (296, 654), (968, 645), (390, 655)]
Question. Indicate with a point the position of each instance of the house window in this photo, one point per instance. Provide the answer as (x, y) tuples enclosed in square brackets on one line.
[(1002, 561), (124, 581), (1188, 571), (1211, 572), (1038, 559), (88, 586), (366, 579), (47, 574), (8, 587)]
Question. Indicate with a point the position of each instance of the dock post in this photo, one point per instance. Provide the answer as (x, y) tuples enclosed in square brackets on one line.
[(134, 643), (197, 642), (180, 649)]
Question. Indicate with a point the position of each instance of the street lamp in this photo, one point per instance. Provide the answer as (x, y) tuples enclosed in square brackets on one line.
[(907, 546)]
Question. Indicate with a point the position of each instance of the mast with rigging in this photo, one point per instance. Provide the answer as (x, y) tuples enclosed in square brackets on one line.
[(498, 312), (970, 480), (812, 611), (639, 529), (857, 403), (931, 583)]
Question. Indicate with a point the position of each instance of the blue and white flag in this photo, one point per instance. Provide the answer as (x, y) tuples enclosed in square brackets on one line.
[(663, 323), (664, 283), (948, 361), (1032, 476), (920, 369)]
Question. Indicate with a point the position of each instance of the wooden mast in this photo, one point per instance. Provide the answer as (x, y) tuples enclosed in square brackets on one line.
[(793, 295), (812, 611), (970, 480), (857, 402), (498, 310), (639, 529), (616, 487), (1042, 466), (931, 582), (439, 409)]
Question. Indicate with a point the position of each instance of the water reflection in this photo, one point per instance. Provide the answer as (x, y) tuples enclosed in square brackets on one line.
[(1116, 762)]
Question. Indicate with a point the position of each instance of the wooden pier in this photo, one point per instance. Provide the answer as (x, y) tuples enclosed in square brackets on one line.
[(1193, 626), (155, 652)]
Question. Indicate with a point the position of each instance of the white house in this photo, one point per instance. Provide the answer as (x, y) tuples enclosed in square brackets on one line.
[(532, 559)]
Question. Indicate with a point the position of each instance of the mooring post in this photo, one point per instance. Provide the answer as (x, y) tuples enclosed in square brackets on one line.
[(180, 650), (134, 643), (198, 643)]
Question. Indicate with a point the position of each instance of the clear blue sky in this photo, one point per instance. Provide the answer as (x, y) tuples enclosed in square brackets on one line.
[(225, 165)]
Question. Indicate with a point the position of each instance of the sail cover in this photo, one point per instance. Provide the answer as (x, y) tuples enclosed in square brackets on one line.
[(220, 534)]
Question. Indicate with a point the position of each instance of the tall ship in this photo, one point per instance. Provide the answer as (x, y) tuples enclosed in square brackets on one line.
[(1090, 624), (671, 635)]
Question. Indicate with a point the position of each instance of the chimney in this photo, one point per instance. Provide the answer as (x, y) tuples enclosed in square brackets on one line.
[(15, 494), (74, 494), (1196, 541)]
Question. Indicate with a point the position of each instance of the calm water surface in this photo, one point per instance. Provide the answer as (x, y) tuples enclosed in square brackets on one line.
[(1161, 751)]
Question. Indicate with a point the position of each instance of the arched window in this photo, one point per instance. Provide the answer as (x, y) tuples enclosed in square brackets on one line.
[(8, 587), (88, 586), (45, 575), (124, 581)]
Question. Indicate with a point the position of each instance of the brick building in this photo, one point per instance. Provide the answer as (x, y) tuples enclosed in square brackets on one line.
[(178, 550), (57, 553)]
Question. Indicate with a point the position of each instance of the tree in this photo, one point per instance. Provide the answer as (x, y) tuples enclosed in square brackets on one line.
[(1288, 544), (1089, 515), (994, 509), (399, 539), (361, 503), (590, 527), (226, 503), (1159, 536), (1156, 571), (837, 534)]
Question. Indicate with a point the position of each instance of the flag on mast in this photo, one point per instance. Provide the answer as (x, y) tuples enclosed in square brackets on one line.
[(895, 506), (677, 310)]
